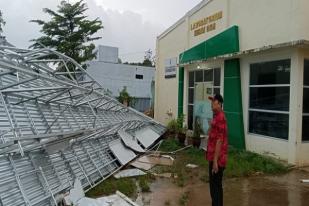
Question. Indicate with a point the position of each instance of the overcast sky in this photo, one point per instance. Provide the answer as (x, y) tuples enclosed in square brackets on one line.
[(131, 25)]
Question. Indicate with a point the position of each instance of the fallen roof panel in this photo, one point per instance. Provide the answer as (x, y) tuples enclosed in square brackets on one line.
[(56, 128), (146, 136)]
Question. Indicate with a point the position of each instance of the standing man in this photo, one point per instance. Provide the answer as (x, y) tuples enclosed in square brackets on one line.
[(217, 147)]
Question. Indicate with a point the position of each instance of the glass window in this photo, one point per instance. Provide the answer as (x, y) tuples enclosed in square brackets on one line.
[(269, 124), (275, 72), (305, 128), (270, 98), (217, 75), (306, 101), (139, 76), (199, 76), (306, 72), (270, 93), (217, 91), (208, 75), (305, 133), (190, 117), (191, 95), (191, 79)]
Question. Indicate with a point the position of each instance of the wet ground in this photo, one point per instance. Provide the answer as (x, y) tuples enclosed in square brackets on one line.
[(282, 190)]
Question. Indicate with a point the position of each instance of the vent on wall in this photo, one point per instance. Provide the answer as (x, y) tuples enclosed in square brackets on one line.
[(139, 76)]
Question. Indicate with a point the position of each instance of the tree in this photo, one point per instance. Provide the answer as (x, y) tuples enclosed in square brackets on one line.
[(2, 22), (69, 32), (125, 98), (147, 59)]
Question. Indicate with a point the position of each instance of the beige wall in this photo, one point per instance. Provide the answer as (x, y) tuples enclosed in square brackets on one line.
[(302, 150), (294, 150), (258, 143), (166, 92), (261, 23)]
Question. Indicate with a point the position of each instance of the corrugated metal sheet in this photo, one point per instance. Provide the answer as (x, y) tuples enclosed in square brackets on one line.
[(130, 141), (146, 136), (55, 127)]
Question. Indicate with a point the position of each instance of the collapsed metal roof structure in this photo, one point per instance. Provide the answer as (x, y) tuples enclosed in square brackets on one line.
[(56, 127)]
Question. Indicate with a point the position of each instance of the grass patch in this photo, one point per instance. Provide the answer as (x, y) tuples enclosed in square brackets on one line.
[(243, 163), (144, 182), (169, 145), (183, 200), (240, 163), (167, 203), (125, 185)]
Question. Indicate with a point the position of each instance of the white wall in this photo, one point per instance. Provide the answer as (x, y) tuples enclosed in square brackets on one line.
[(283, 149), (115, 76), (302, 150), (107, 54), (166, 96)]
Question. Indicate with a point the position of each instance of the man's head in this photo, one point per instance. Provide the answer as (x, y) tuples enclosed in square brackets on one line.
[(216, 102)]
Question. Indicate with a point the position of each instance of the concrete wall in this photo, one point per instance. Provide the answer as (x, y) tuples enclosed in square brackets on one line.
[(258, 143), (261, 23), (115, 76), (293, 150), (107, 54), (166, 92), (302, 149)]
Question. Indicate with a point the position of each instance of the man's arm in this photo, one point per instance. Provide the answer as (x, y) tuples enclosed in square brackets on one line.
[(215, 167)]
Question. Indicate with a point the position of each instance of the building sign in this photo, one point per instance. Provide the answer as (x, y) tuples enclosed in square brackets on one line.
[(206, 24), (170, 68)]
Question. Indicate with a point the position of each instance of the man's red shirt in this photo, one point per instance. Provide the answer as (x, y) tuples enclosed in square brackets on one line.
[(218, 131)]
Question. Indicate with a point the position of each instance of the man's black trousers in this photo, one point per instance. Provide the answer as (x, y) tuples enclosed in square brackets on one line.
[(215, 185)]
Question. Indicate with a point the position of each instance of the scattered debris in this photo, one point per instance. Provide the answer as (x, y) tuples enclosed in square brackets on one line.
[(149, 161), (130, 141), (123, 154), (157, 160), (167, 175), (192, 166), (151, 135), (129, 173), (142, 165), (305, 181), (117, 199), (75, 194)]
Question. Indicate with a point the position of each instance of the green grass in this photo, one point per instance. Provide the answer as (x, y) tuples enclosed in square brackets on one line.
[(167, 203), (240, 163), (125, 185), (183, 200), (169, 145), (144, 182), (243, 163)]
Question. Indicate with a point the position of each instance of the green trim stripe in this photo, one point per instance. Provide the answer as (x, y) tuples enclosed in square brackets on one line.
[(224, 43), (233, 103), (180, 90)]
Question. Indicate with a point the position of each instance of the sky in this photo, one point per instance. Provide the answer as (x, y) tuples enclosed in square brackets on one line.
[(130, 25)]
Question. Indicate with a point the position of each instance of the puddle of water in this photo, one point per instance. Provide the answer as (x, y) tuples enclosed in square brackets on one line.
[(283, 190)]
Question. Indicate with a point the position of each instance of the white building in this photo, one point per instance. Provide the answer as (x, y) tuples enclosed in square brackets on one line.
[(115, 76), (256, 54)]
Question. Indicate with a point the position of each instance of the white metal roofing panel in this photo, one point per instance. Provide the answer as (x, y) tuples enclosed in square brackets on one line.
[(130, 141), (146, 136), (123, 154)]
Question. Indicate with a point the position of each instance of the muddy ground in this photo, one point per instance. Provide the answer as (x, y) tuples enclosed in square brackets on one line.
[(262, 190)]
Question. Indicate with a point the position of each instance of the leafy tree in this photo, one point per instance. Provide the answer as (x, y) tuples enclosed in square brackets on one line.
[(125, 98), (69, 32), (2, 22), (147, 59)]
